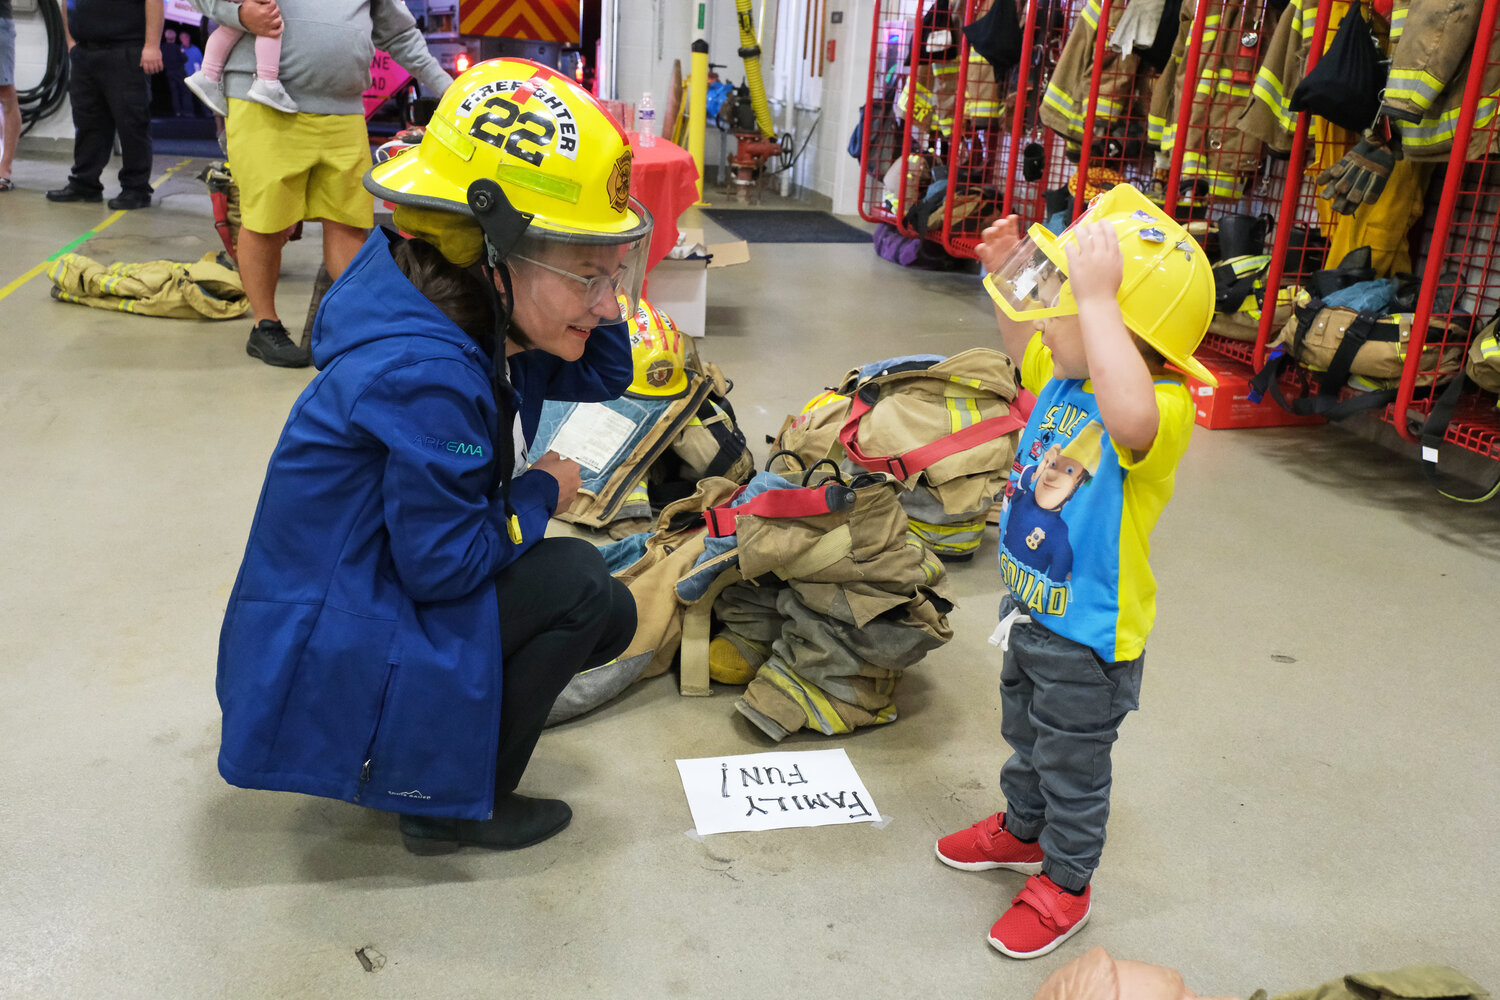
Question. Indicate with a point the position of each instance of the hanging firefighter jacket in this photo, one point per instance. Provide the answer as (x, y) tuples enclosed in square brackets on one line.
[(1166, 89), (1065, 101), (931, 104), (1218, 154), (1268, 115), (1382, 225), (1432, 44)]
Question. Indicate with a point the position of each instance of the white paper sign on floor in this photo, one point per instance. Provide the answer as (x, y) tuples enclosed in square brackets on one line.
[(774, 791)]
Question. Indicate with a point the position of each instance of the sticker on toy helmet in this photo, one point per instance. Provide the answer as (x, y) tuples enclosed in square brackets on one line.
[(1186, 248), (546, 125), (659, 373), (1141, 215), (1153, 235)]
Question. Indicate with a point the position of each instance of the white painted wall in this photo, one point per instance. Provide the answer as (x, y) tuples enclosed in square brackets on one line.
[(652, 33)]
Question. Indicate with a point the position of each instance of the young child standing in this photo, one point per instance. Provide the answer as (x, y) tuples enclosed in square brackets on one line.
[(266, 88), (1095, 316)]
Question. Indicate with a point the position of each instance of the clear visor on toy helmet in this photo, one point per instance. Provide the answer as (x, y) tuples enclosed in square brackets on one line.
[(582, 278), (1031, 284)]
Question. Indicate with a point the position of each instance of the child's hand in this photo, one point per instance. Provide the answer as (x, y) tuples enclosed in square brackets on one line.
[(261, 17), (997, 241), (1095, 265)]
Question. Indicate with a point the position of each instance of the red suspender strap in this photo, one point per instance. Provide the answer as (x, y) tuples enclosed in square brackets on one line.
[(914, 461), (780, 503)]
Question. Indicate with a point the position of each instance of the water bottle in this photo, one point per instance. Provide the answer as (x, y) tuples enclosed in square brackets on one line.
[(645, 120)]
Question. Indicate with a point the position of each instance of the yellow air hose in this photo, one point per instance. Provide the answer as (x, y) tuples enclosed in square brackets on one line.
[(750, 52)]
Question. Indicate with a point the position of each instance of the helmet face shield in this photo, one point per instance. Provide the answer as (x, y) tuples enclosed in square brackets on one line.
[(1031, 284), (582, 278)]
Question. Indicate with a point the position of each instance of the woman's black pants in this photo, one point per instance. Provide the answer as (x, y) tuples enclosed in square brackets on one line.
[(560, 613)]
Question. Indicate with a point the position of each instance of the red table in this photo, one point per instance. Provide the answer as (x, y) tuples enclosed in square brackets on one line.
[(665, 180)]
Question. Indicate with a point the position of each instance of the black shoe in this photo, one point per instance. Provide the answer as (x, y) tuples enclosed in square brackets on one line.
[(269, 342), (131, 199), (519, 821), (71, 193)]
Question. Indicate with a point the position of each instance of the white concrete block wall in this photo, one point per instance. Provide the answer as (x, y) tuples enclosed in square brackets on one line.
[(654, 32)]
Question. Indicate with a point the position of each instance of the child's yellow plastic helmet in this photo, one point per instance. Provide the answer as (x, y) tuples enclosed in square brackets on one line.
[(658, 353), (525, 151), (1166, 295)]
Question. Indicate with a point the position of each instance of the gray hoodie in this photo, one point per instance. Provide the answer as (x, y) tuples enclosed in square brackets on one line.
[(326, 48)]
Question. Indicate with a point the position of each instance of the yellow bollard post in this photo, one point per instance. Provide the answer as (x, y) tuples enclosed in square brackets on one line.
[(698, 94), (698, 110)]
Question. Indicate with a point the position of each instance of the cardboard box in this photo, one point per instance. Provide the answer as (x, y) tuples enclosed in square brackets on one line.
[(1228, 405), (679, 288)]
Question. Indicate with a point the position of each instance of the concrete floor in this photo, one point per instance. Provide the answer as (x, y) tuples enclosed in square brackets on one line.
[(1310, 787)]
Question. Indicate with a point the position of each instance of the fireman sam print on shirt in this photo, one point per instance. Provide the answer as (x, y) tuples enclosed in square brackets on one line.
[(1037, 556), (524, 118)]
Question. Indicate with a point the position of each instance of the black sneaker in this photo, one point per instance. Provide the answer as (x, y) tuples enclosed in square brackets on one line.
[(270, 343), (518, 821), (131, 199), (71, 193)]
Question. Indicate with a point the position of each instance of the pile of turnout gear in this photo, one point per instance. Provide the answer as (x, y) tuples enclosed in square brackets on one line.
[(1351, 328), (826, 571), (209, 288)]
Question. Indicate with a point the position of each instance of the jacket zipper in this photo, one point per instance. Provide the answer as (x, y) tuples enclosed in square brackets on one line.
[(365, 768)]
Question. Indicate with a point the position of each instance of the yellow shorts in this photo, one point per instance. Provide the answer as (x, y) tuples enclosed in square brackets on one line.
[(295, 167)]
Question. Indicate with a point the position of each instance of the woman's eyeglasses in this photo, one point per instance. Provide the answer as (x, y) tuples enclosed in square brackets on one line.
[(597, 288)]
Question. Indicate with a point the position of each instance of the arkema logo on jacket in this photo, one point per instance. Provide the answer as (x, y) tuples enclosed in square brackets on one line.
[(457, 447)]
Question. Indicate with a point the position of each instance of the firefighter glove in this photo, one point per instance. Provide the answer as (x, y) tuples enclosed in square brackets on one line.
[(1359, 178)]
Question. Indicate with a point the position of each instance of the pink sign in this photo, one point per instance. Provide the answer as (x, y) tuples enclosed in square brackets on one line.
[(386, 77)]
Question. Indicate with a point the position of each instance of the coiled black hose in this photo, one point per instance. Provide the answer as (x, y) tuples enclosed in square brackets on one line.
[(46, 97)]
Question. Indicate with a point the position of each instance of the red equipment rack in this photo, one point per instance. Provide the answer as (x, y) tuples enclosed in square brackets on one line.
[(884, 137), (1461, 266), (984, 146), (909, 102)]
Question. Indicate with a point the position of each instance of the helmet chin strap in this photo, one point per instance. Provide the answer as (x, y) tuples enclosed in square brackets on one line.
[(503, 226)]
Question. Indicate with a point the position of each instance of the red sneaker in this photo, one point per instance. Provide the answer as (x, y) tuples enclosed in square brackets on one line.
[(1040, 918), (987, 844)]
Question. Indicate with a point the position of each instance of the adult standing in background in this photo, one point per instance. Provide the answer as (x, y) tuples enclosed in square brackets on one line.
[(10, 106), (174, 68), (113, 46), (311, 164), (192, 58)]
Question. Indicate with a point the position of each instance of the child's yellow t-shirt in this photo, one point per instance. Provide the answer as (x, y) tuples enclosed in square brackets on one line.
[(1078, 512)]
